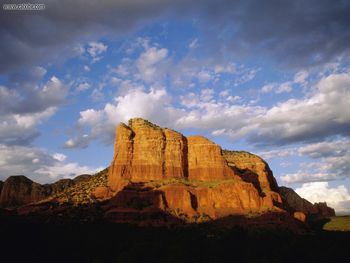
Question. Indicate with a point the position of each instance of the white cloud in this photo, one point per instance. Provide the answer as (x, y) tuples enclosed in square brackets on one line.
[(150, 62), (21, 113), (83, 86), (59, 157), (38, 164), (335, 148), (302, 177), (337, 197), (95, 50), (301, 77), (284, 87), (322, 114), (77, 142), (153, 105), (68, 170)]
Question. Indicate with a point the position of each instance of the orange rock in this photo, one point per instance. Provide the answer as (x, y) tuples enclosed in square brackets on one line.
[(228, 198), (175, 154), (180, 197), (251, 164), (255, 170), (300, 216), (123, 152), (101, 192), (148, 151), (205, 160)]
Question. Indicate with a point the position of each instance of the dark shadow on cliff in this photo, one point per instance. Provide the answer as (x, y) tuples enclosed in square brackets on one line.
[(249, 176)]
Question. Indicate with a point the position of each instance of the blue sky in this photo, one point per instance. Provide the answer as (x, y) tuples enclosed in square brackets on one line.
[(271, 78)]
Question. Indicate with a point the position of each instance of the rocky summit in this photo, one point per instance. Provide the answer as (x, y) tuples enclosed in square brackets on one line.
[(158, 176)]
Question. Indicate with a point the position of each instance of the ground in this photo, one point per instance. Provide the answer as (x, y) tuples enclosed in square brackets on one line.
[(338, 223)]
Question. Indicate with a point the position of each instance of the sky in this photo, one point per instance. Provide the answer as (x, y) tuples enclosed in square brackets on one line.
[(270, 77)]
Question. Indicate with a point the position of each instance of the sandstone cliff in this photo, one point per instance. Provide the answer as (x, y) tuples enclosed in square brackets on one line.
[(189, 176), (145, 152), (158, 176)]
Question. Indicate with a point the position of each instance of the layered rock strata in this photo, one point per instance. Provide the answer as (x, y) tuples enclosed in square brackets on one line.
[(146, 153)]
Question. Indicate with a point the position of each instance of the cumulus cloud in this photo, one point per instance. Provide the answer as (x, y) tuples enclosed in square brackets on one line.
[(334, 148), (325, 161), (337, 197), (153, 104), (38, 164), (302, 177), (151, 63), (22, 112), (81, 142), (322, 114), (34, 98)]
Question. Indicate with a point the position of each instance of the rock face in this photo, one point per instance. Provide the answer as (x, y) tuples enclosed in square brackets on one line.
[(18, 190), (205, 160), (158, 176), (255, 170), (1, 184), (145, 152), (323, 210), (190, 176), (252, 169), (293, 202)]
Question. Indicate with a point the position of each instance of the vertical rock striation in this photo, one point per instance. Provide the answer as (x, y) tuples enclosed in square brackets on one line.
[(146, 152), (192, 174), (205, 160)]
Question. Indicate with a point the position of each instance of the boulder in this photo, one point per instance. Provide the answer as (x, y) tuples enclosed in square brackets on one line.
[(299, 216)]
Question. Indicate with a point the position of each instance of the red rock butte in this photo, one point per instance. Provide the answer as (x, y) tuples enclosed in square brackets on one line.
[(158, 176), (192, 175)]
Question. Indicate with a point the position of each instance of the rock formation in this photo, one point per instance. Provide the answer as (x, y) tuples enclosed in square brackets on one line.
[(159, 176), (194, 176), (294, 203), (1, 184), (19, 190), (145, 152), (323, 210)]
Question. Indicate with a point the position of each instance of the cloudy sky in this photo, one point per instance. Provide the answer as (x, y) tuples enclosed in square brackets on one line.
[(271, 77)]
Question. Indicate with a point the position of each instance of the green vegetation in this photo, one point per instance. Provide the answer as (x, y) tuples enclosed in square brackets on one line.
[(338, 223), (191, 183), (81, 192)]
